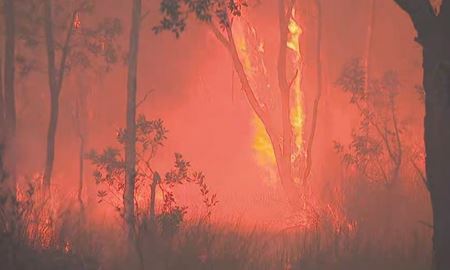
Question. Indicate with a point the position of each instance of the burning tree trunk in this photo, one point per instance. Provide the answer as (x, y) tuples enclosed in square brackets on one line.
[(284, 129), (55, 78), (282, 144), (434, 36), (130, 145)]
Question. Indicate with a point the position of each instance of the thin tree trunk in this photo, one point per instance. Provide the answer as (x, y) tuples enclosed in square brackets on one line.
[(54, 95), (2, 121), (154, 185), (369, 41), (10, 105), (315, 113), (55, 79), (2, 103), (285, 93), (7, 161), (9, 93), (434, 36), (130, 145), (81, 175)]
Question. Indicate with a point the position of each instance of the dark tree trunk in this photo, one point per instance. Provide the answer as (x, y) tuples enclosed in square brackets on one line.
[(154, 185), (55, 80), (437, 144), (7, 149), (81, 175), (130, 145), (434, 36), (2, 103), (9, 95), (9, 106), (54, 94)]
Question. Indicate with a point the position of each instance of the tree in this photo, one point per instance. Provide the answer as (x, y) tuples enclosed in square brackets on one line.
[(78, 46), (292, 164), (376, 149), (8, 117), (110, 175), (433, 34), (80, 121), (8, 199), (130, 141), (319, 72)]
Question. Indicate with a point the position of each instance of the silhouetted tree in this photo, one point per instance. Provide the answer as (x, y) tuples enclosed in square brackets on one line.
[(110, 175), (130, 141), (79, 44), (433, 34), (376, 149), (8, 183)]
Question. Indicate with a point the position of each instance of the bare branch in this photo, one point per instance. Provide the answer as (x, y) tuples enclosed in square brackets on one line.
[(144, 98), (421, 174), (145, 15), (428, 225)]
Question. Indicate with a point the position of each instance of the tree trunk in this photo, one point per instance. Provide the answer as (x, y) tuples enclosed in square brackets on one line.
[(130, 145), (51, 138), (369, 41), (434, 36), (55, 80), (437, 145), (7, 149), (54, 95), (2, 103), (154, 185), (315, 111), (9, 92), (10, 109), (81, 175)]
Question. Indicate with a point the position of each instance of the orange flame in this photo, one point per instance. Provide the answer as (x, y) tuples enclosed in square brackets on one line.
[(261, 144)]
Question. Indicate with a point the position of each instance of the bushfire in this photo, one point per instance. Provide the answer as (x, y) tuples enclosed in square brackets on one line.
[(224, 134)]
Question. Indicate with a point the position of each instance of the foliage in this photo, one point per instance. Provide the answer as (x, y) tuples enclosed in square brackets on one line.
[(109, 174), (376, 149), (93, 44), (176, 13)]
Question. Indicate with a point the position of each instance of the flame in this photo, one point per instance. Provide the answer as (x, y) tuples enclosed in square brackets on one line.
[(297, 110), (77, 22), (261, 143)]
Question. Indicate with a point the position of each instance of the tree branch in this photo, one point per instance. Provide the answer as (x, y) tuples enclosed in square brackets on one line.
[(220, 36), (144, 98), (421, 175)]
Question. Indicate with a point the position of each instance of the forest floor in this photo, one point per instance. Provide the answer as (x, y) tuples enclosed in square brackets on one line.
[(200, 246)]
